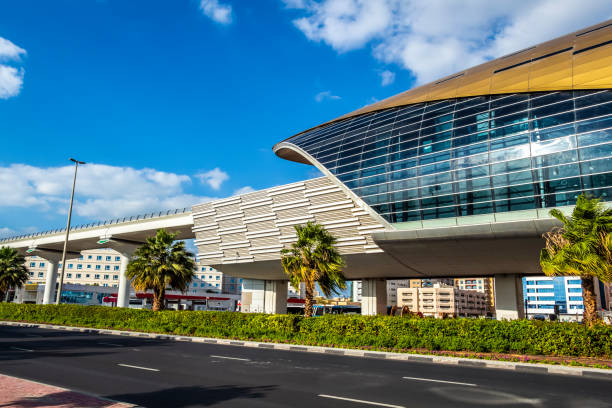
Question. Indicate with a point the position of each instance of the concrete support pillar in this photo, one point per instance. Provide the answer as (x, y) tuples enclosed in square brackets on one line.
[(123, 293), (509, 297), (50, 282), (373, 296), (275, 297), (264, 296)]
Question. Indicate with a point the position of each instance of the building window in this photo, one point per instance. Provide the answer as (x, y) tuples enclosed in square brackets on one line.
[(117, 258), (32, 274), (195, 285), (42, 264), (99, 258), (115, 277), (209, 276), (218, 277), (70, 266), (106, 276), (87, 275), (217, 285), (574, 282), (89, 257), (202, 284), (69, 275), (81, 257), (116, 267), (574, 290), (107, 267), (98, 267), (79, 266), (40, 274), (96, 276), (78, 275), (108, 258), (32, 264), (577, 298)]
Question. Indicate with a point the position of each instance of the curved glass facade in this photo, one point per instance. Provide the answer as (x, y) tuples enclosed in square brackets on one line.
[(472, 156)]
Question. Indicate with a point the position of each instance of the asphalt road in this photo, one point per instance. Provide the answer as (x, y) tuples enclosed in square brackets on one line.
[(166, 373)]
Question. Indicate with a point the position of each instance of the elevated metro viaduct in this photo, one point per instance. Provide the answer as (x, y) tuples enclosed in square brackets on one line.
[(452, 178)]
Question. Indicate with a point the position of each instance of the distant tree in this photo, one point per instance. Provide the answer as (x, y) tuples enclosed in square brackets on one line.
[(581, 247), (161, 263), (13, 272), (314, 259)]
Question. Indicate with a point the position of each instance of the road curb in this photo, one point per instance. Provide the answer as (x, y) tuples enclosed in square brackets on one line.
[(536, 368)]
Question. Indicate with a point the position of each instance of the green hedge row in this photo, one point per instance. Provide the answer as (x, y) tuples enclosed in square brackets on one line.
[(385, 332)]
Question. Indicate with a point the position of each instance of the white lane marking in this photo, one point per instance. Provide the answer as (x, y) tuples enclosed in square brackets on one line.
[(139, 367), (380, 404), (111, 344), (439, 381), (230, 358), (22, 349)]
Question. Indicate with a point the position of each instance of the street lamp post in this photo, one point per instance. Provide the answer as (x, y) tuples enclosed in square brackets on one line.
[(61, 280)]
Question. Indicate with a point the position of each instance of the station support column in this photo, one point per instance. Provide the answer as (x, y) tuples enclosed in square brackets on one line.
[(373, 296), (509, 297)]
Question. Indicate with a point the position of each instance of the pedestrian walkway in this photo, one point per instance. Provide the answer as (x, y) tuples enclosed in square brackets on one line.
[(19, 393)]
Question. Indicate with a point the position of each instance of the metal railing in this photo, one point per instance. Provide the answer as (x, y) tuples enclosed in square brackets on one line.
[(100, 223)]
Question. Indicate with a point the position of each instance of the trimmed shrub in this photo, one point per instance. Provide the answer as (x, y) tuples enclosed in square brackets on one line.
[(382, 332)]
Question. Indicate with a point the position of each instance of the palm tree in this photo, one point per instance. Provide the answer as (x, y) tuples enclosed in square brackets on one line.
[(159, 264), (13, 272), (581, 247), (314, 259)]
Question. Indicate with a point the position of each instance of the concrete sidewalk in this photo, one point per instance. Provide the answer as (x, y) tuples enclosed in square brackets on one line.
[(18, 393)]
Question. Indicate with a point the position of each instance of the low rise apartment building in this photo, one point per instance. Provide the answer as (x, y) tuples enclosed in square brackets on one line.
[(483, 285), (443, 300)]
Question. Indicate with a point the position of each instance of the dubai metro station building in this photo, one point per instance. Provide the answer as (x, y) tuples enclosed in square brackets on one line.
[(456, 177)]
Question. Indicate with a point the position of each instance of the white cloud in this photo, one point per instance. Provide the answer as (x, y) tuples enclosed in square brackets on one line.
[(436, 38), (101, 192), (325, 95), (219, 12), (243, 190), (6, 232), (214, 178), (11, 78), (387, 77)]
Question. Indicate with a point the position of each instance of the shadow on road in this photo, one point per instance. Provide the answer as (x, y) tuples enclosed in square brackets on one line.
[(180, 397)]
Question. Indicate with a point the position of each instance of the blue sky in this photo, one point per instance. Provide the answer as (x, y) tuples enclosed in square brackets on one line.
[(176, 102)]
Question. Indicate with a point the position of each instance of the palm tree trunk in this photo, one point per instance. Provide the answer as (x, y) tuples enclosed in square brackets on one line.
[(308, 305), (159, 299), (588, 296)]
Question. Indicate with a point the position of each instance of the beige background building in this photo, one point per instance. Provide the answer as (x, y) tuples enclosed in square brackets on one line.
[(442, 300)]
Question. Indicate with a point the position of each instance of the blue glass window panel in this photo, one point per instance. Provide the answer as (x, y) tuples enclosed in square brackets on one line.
[(403, 184), (347, 168), (483, 101), (438, 201), (475, 209), (517, 191), (594, 99), (372, 180), (372, 171), (588, 139), (474, 197), (555, 172), (555, 159), (597, 180), (438, 109), (472, 115), (377, 189), (471, 173), (515, 205), (595, 152), (445, 212), (473, 184), (531, 290), (513, 153), (509, 120), (552, 120), (594, 111), (406, 154), (552, 133), (432, 148), (596, 166), (403, 174), (508, 179), (406, 164), (574, 290), (603, 193), (474, 138), (509, 109), (434, 158), (375, 161), (502, 100), (471, 150), (436, 179), (552, 146), (552, 109), (574, 282), (561, 199), (511, 166), (428, 129), (404, 201), (436, 189), (516, 140), (560, 185), (471, 161), (594, 124), (575, 298), (348, 176), (538, 100), (466, 130), (509, 130)]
